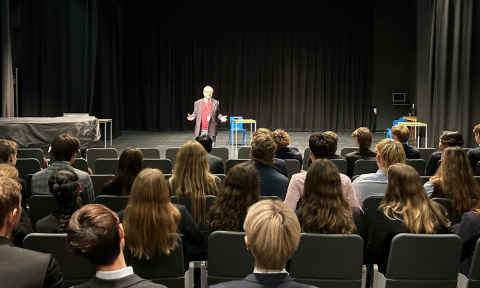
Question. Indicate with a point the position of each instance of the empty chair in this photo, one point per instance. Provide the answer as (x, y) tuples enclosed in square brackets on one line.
[(347, 150), (75, 269), (232, 162), (341, 165), (473, 280), (41, 206), (329, 260), (244, 152), (27, 166), (98, 181), (418, 164), (306, 156), (152, 153), (236, 128), (221, 152), (293, 167), (80, 164), (114, 203), (163, 165), (106, 166), (95, 153), (35, 153), (171, 154), (425, 153), (415, 261), (365, 166), (452, 216), (370, 205)]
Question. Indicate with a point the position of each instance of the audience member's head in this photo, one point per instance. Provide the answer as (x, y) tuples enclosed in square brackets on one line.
[(324, 207), (281, 138), (8, 152), (363, 137), (95, 233), (129, 165), (389, 152), (476, 131), (150, 219), (322, 145), (450, 138), (206, 142), (10, 208), (9, 171), (272, 234), (401, 133), (65, 187), (333, 135), (239, 190), (406, 196), (262, 131), (263, 150), (65, 147)]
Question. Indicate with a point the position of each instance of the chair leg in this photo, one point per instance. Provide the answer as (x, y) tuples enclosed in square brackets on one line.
[(230, 137)]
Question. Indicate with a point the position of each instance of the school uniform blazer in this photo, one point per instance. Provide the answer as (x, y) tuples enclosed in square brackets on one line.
[(130, 281), (257, 280)]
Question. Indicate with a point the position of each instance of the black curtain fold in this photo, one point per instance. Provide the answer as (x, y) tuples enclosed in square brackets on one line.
[(6, 70)]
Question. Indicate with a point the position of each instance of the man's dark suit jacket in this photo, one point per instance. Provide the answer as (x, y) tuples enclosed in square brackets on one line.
[(410, 152), (279, 165), (432, 163), (26, 268), (216, 164), (128, 281), (214, 115), (287, 153), (474, 157), (254, 280), (365, 154)]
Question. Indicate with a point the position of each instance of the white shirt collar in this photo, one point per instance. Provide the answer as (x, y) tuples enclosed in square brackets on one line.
[(258, 271), (109, 275), (207, 100)]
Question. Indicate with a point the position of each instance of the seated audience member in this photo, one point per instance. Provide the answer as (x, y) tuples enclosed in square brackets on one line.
[(401, 133), (262, 154), (21, 267), (363, 140), (324, 208), (405, 209), (335, 139), (267, 220), (469, 230), (215, 163), (454, 180), (64, 149), (447, 139), (95, 233), (474, 154), (282, 140), (322, 146), (191, 178), (278, 164), (8, 156), (129, 165), (66, 189), (239, 190), (389, 152)]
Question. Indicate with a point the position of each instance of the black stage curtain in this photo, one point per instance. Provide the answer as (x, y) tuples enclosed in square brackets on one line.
[(448, 61), (6, 72), (296, 65)]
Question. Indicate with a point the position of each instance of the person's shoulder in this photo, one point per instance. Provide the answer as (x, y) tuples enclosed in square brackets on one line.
[(300, 175), (352, 154), (216, 158), (34, 257), (81, 174), (181, 208), (475, 150)]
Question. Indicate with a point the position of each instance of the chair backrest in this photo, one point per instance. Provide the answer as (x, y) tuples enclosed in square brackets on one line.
[(452, 215), (171, 154), (425, 153), (152, 153), (415, 261), (36, 153), (106, 166), (346, 150), (293, 167), (365, 166), (270, 197), (477, 172), (306, 156), (95, 153), (232, 162), (75, 269), (163, 165), (167, 176), (221, 176), (221, 152), (162, 269), (27, 166), (418, 164), (98, 181), (477, 178), (187, 202), (28, 181), (228, 258), (328, 260), (425, 179), (341, 165), (474, 273), (80, 164), (294, 148), (114, 203), (244, 152), (370, 205), (234, 125), (40, 206)]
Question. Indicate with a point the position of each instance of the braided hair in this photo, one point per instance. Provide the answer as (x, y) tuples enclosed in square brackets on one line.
[(63, 185)]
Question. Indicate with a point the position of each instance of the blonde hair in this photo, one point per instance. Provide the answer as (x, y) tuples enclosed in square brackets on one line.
[(391, 152), (150, 220), (191, 178), (364, 137), (10, 197), (273, 233), (476, 129), (9, 171), (406, 196), (402, 132)]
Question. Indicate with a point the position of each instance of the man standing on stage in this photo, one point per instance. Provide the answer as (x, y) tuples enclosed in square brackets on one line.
[(207, 111)]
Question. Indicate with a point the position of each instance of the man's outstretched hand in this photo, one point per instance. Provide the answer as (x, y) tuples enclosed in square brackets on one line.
[(223, 118), (190, 117)]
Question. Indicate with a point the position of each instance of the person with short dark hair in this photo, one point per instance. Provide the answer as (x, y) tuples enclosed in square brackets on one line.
[(215, 163), (130, 164), (64, 149), (282, 140), (363, 140), (401, 133), (335, 139), (474, 154), (447, 139)]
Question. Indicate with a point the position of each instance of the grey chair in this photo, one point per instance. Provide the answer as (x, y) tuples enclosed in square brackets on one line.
[(228, 258), (341, 165), (36, 153), (418, 164), (106, 166), (163, 165), (329, 260), (425, 153), (221, 152), (232, 162), (370, 205), (80, 164), (473, 280), (347, 150), (75, 269), (27, 166), (415, 261), (452, 215), (167, 176), (152, 153), (221, 176), (271, 197), (477, 178), (114, 203), (425, 179), (171, 154), (40, 206), (98, 181), (365, 166), (306, 157), (293, 167), (28, 181), (477, 171), (244, 152), (95, 153)]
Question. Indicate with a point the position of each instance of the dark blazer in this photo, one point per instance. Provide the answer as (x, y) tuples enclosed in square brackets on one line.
[(214, 115), (287, 153), (114, 188), (255, 280), (216, 164), (474, 157), (432, 163), (23, 192), (410, 152), (279, 166), (352, 157), (469, 230), (49, 224), (128, 281), (26, 268), (272, 183), (23, 229)]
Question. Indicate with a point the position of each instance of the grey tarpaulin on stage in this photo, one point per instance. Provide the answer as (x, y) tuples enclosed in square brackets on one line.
[(38, 132)]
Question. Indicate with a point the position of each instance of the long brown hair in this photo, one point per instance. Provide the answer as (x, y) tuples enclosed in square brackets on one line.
[(324, 207), (191, 178), (150, 220), (239, 191), (455, 177), (406, 196), (129, 165)]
